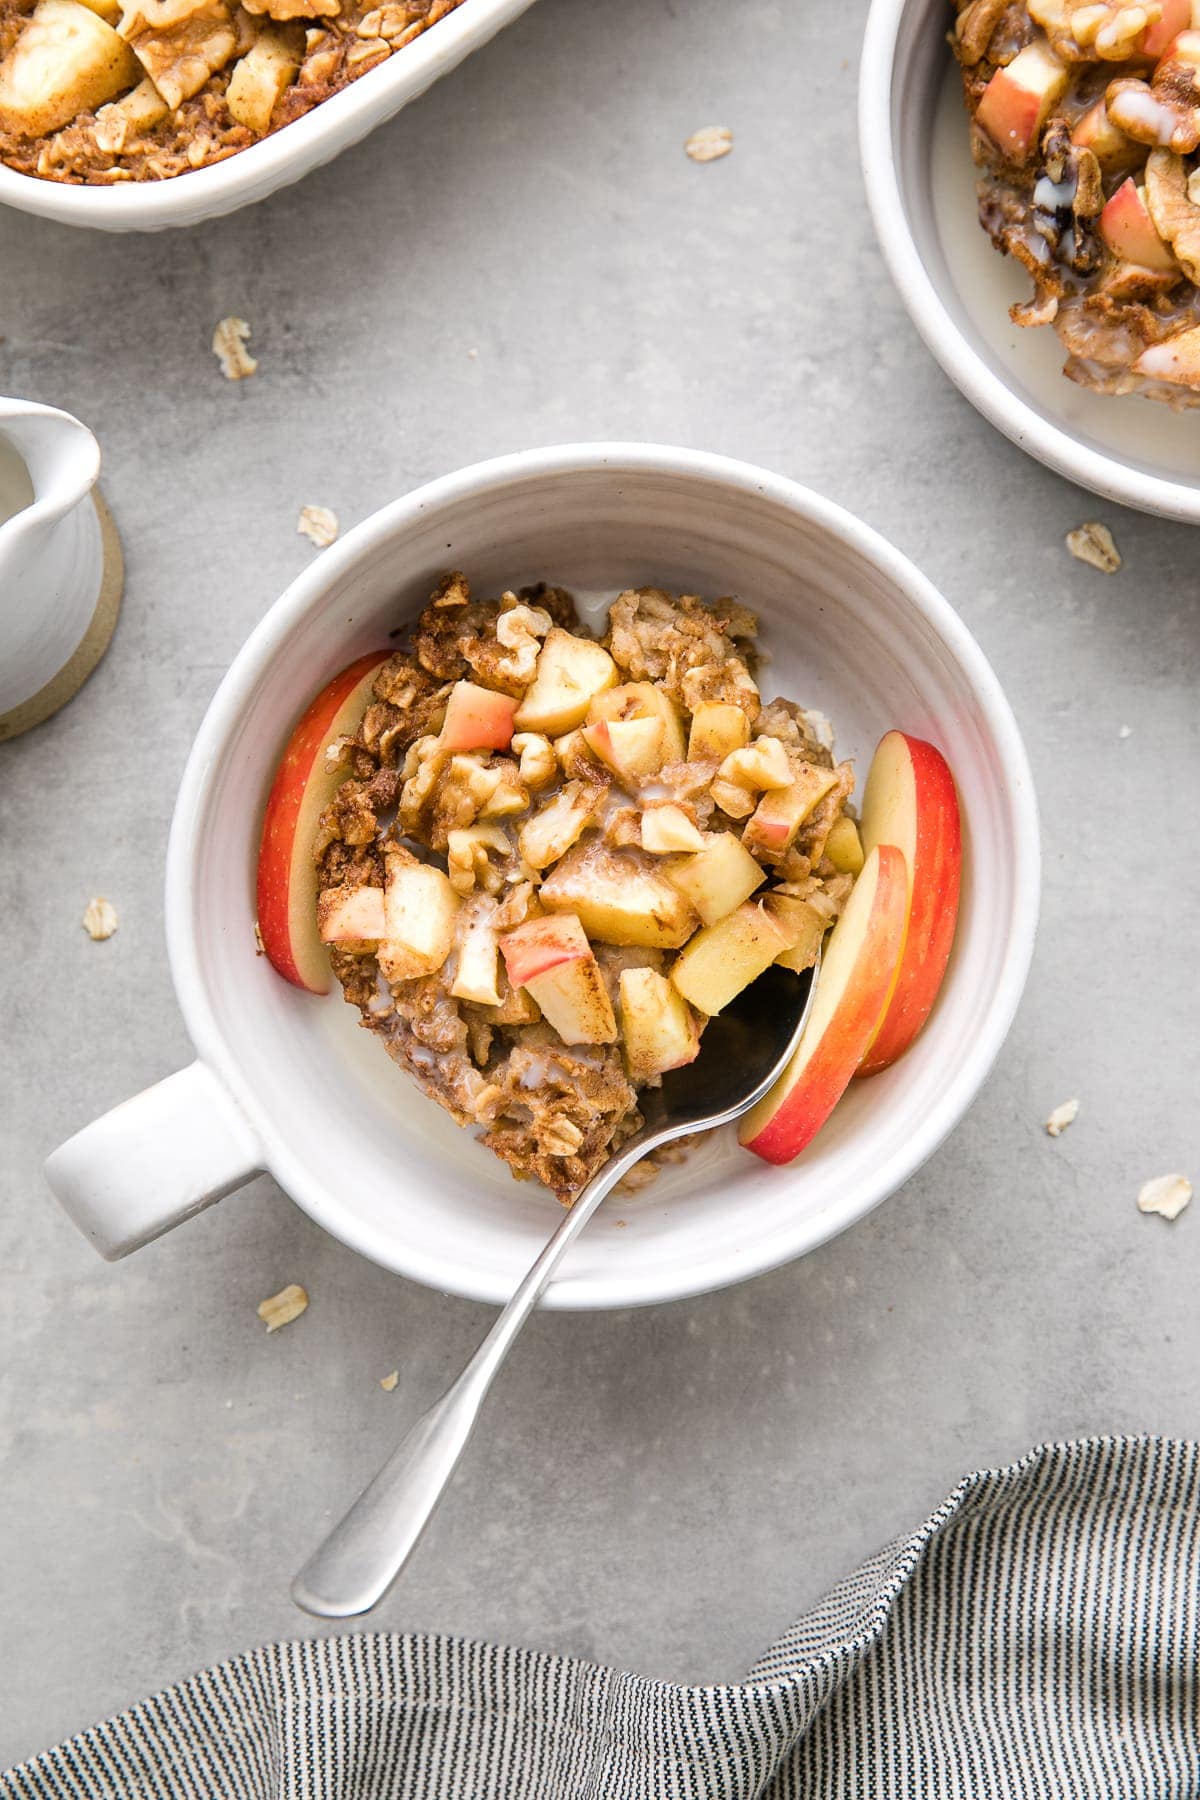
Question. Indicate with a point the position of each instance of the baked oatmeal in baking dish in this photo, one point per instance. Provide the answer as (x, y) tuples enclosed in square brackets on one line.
[(553, 856), (1086, 124), (104, 91)]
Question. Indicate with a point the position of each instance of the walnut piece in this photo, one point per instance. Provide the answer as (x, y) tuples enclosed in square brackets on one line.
[(1166, 1195), (388, 1382), (1093, 543), (100, 918), (710, 143), (283, 1307), (319, 525), (1061, 1117), (229, 348), (179, 43), (1175, 214)]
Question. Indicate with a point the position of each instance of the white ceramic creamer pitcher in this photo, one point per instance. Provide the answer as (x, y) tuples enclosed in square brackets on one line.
[(52, 560)]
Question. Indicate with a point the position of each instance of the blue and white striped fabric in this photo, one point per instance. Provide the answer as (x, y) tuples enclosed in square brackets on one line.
[(1038, 1636)]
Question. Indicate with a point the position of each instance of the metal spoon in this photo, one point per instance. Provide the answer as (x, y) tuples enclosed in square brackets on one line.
[(744, 1049)]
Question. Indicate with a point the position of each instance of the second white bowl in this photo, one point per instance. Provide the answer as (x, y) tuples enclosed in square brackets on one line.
[(920, 182)]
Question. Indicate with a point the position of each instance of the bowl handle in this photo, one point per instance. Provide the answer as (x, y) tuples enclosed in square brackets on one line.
[(154, 1161)]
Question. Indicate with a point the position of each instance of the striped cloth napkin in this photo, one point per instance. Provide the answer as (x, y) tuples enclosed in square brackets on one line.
[(1039, 1635)]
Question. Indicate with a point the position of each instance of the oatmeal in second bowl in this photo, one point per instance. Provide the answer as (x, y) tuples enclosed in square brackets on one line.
[(655, 548)]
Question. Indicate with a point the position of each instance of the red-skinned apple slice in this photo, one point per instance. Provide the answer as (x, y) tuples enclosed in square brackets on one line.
[(1018, 100), (477, 718), (909, 800), (853, 986), (302, 789)]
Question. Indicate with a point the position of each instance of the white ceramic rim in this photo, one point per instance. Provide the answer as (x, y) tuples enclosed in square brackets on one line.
[(259, 170), (252, 665), (1104, 475)]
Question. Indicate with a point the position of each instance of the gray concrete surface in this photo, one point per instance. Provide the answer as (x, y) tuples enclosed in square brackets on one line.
[(664, 1489)]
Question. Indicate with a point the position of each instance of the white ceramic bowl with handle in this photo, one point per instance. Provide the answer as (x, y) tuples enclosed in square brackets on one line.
[(289, 1083), (920, 182), (274, 161)]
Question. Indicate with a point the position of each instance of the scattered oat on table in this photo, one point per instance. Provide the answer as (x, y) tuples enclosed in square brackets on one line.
[(1061, 1117), (710, 143), (1093, 543), (283, 1307), (99, 918), (230, 350), (1166, 1195), (1125, 731), (388, 1382), (319, 525)]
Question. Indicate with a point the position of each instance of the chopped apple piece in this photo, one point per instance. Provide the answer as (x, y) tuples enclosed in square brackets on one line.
[(476, 717), (621, 897), (668, 828), (551, 831), (66, 61), (843, 846), (570, 672), (1018, 100), (1128, 230), (554, 961), (726, 957), (1175, 359), (803, 924), (351, 917), (717, 878), (717, 730), (1176, 16), (780, 814), (258, 83), (420, 910), (657, 1027), (631, 748), (642, 700), (476, 976), (1111, 146)]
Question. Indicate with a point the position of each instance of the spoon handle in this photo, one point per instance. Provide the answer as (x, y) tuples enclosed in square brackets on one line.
[(363, 1555)]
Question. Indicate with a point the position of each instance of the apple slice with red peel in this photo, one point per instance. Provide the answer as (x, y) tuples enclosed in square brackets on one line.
[(910, 801), (855, 980), (1128, 230), (477, 718), (302, 788), (552, 959), (1019, 98)]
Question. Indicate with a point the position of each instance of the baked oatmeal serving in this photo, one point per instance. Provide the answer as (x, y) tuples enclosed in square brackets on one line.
[(1086, 124), (553, 856), (104, 91)]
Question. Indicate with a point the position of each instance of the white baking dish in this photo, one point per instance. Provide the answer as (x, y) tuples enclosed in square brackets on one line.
[(282, 158)]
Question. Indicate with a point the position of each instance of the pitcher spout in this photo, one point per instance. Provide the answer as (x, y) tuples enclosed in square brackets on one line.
[(61, 461)]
